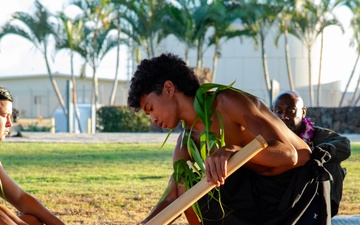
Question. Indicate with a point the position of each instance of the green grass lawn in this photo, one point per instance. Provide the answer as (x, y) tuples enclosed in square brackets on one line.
[(113, 183), (351, 192)]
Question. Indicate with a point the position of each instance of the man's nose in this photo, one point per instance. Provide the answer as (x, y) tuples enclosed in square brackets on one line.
[(284, 116), (153, 119), (9, 122)]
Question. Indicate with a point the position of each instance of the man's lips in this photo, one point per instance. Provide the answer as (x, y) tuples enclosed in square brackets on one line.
[(160, 124)]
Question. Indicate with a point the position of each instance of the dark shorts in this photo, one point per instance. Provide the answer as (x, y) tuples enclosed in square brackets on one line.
[(249, 198)]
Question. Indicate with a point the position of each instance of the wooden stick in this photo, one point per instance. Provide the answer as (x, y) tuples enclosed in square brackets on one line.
[(191, 196)]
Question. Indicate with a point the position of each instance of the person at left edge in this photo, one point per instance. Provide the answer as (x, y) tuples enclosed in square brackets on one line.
[(31, 210)]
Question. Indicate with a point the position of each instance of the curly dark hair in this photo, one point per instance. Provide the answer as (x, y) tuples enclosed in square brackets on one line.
[(151, 75), (5, 94)]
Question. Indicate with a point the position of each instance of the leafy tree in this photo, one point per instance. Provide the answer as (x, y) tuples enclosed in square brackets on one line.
[(354, 6), (98, 39), (222, 17), (306, 28), (309, 23), (70, 37), (284, 21), (143, 21), (260, 18), (326, 18), (38, 29), (200, 15), (178, 21), (116, 19)]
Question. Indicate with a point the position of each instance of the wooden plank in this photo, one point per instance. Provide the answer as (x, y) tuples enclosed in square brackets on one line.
[(191, 196)]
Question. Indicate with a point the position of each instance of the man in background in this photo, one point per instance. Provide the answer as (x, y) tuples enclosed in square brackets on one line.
[(289, 107)]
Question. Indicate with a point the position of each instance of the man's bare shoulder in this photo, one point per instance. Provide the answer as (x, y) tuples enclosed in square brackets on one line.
[(232, 99)]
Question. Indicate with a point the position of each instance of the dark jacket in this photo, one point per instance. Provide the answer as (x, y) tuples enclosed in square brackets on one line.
[(339, 148)]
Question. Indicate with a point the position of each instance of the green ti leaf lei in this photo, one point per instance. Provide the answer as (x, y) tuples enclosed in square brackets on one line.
[(189, 173)]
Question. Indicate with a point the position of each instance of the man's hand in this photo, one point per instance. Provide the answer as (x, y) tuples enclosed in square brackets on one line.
[(216, 164)]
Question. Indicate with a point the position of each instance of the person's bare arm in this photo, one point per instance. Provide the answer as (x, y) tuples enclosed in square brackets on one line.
[(257, 119), (283, 146), (174, 190), (167, 200), (25, 203), (7, 217)]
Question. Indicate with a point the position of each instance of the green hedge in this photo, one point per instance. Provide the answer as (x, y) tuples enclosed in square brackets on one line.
[(121, 119)]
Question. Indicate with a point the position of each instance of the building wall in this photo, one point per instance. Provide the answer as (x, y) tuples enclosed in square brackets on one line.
[(34, 96), (240, 61)]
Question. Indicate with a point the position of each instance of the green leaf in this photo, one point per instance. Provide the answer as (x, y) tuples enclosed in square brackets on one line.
[(167, 137), (222, 130), (203, 103)]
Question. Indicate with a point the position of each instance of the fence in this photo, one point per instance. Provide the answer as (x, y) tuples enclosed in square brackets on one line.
[(36, 124)]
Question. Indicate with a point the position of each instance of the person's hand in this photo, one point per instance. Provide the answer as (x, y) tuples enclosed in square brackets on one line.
[(29, 219), (216, 164)]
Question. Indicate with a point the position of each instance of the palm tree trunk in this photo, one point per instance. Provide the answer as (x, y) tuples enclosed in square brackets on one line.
[(54, 83), (115, 83), (152, 51), (287, 54), (74, 100), (215, 59), (150, 47), (320, 67), (352, 102), (96, 88), (95, 95), (349, 81), (311, 92), (148, 52), (265, 67), (187, 55), (198, 63)]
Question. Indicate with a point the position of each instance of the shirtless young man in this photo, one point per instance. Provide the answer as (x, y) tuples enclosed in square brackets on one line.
[(32, 212), (164, 88)]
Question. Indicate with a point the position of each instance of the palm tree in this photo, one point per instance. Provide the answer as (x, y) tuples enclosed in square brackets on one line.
[(201, 19), (222, 17), (306, 28), (260, 18), (118, 6), (179, 22), (308, 24), (354, 6), (284, 21), (98, 40), (70, 37), (38, 30), (326, 18), (143, 21)]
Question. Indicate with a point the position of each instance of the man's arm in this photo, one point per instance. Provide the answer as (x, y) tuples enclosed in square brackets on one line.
[(174, 190), (170, 196), (338, 146), (283, 145), (24, 202)]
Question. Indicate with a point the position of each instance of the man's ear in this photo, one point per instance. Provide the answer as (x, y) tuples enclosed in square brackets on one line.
[(304, 112), (169, 88)]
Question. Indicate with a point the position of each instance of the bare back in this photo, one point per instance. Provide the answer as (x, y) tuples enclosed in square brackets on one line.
[(244, 118)]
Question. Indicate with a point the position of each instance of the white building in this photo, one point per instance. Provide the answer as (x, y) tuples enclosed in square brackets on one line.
[(34, 95), (240, 62)]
